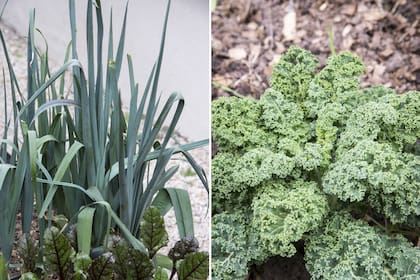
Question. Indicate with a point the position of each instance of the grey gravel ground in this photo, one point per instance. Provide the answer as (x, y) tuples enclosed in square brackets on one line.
[(183, 179)]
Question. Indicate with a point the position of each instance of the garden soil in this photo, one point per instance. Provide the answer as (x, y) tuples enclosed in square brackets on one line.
[(249, 36), (184, 178)]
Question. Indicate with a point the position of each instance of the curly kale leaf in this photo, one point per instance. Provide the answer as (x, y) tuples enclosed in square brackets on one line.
[(231, 246), (226, 192), (406, 131), (339, 76), (284, 117), (353, 99), (283, 214), (388, 179), (351, 249), (259, 165), (327, 128), (370, 121), (310, 157), (360, 146), (236, 124), (293, 73), (345, 249), (402, 257)]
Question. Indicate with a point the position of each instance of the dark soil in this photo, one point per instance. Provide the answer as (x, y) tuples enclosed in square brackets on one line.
[(248, 37), (282, 268)]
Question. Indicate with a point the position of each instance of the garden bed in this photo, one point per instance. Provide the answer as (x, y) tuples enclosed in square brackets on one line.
[(248, 37), (185, 178)]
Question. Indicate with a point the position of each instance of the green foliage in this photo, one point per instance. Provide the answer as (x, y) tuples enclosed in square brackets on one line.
[(3, 268), (230, 259), (349, 249), (236, 124), (316, 145), (194, 266), (82, 264), (153, 233), (29, 276), (161, 274), (102, 267), (276, 210), (284, 117), (293, 73), (377, 172), (58, 253), (84, 157), (28, 251)]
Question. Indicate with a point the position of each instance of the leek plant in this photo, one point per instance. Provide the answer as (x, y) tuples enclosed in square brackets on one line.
[(84, 157), (29, 120)]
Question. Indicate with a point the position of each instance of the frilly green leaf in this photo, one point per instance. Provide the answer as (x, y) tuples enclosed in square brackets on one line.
[(236, 124), (282, 214), (293, 73)]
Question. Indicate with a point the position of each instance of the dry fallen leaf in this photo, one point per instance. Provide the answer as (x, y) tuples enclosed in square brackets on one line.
[(347, 43), (415, 63), (387, 52), (237, 53), (349, 9), (346, 30), (374, 15), (221, 80), (378, 72), (254, 53), (324, 6), (289, 24)]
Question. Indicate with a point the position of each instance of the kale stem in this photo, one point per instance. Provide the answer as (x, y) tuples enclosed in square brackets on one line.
[(376, 223), (388, 274), (228, 89)]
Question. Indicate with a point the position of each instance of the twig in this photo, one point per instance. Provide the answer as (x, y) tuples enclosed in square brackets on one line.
[(379, 3), (270, 27), (246, 11), (331, 39), (394, 9), (228, 89)]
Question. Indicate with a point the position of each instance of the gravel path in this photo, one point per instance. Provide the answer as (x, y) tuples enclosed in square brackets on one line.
[(183, 179)]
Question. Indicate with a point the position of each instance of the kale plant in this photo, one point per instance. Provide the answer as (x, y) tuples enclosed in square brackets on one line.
[(320, 160)]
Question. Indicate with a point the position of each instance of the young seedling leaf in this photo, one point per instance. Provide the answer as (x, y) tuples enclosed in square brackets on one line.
[(58, 253), (153, 233), (194, 266), (120, 250), (81, 266), (140, 266), (161, 274), (28, 252), (101, 268)]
